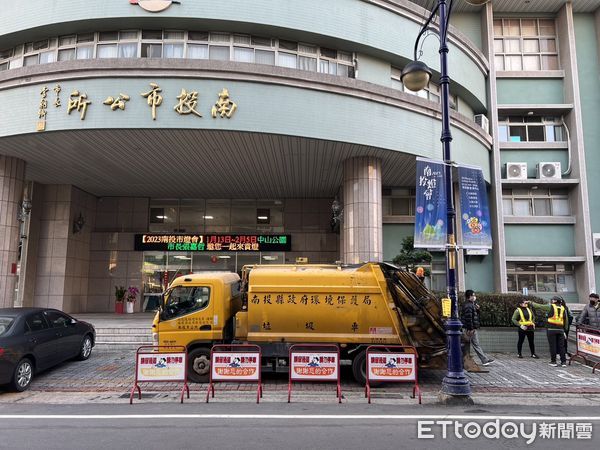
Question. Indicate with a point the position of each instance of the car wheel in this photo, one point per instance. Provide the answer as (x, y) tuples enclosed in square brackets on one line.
[(23, 375), (199, 365), (86, 348)]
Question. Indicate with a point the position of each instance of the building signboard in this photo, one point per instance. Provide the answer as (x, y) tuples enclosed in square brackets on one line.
[(213, 242)]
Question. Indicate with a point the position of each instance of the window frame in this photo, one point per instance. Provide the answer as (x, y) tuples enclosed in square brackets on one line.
[(531, 196), (506, 122), (521, 53), (512, 270)]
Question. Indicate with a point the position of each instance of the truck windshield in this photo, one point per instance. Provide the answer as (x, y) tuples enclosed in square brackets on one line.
[(186, 299), (5, 323)]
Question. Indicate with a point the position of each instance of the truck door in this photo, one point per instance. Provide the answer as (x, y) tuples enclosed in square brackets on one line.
[(187, 315)]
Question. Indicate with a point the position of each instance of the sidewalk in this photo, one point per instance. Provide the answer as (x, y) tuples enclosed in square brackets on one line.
[(109, 376)]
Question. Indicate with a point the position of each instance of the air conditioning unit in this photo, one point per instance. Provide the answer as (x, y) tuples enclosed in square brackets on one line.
[(547, 170), (483, 122), (516, 171), (596, 243)]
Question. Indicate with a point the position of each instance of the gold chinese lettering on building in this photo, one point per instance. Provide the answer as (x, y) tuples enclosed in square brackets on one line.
[(78, 100), (187, 103), (154, 98), (42, 110), (224, 107), (57, 90), (116, 103)]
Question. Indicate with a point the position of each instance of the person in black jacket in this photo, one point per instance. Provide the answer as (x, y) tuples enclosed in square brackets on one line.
[(470, 320)]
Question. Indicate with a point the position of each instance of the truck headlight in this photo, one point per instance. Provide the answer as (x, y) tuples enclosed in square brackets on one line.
[(155, 338)]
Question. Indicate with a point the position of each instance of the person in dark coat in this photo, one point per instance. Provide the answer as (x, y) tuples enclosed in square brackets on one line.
[(590, 315), (470, 320)]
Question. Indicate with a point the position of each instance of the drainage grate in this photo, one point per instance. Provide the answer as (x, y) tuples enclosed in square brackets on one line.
[(144, 395)]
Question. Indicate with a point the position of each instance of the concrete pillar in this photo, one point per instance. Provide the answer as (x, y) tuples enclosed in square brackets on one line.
[(12, 175), (362, 226)]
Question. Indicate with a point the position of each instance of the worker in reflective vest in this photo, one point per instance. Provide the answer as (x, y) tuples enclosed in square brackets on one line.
[(557, 327), (524, 318)]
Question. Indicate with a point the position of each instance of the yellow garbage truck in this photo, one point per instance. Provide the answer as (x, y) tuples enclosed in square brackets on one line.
[(275, 306)]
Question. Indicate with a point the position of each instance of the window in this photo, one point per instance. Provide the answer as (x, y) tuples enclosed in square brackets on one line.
[(57, 319), (181, 44), (106, 51), (197, 51), (530, 129), (398, 202), (438, 276), (525, 44), (540, 277), (36, 322), (151, 50), (431, 92), (5, 323), (164, 215), (186, 299), (536, 202), (263, 216)]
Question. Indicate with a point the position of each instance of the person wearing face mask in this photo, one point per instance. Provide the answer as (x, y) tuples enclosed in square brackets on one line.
[(556, 328), (590, 315), (470, 320), (524, 318)]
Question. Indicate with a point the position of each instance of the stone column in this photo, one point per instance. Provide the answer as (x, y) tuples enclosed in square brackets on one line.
[(12, 174), (362, 228)]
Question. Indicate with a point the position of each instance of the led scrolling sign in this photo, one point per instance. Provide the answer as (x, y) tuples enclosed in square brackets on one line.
[(213, 242)]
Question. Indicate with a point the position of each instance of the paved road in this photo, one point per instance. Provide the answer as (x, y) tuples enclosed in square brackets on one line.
[(296, 426)]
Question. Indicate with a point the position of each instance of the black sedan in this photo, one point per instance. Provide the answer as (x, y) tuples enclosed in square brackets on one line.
[(35, 339)]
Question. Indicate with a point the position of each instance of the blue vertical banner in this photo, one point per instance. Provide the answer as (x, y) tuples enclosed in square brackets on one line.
[(475, 213), (430, 213)]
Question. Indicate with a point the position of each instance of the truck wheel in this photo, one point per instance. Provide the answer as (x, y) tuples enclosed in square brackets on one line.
[(359, 367), (199, 365)]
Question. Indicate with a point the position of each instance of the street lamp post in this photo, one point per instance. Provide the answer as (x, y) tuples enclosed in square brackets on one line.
[(416, 76)]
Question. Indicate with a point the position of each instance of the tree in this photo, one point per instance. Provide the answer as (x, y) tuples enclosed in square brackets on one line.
[(410, 258)]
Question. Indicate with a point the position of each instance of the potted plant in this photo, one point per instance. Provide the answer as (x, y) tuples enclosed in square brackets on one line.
[(131, 297), (119, 299)]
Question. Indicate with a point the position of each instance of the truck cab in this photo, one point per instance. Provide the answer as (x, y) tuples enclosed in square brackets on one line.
[(197, 311)]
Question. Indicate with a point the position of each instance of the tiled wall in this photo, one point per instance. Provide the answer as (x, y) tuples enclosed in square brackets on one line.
[(12, 173), (112, 259), (308, 221), (61, 271)]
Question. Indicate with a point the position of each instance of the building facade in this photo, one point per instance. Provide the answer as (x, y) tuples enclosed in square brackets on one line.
[(141, 140)]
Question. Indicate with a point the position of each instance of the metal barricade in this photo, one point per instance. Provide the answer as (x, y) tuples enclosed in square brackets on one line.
[(317, 362), (588, 345), (160, 364), (235, 362), (392, 364)]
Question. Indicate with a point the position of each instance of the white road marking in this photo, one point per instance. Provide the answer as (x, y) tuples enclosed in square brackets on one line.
[(298, 416)]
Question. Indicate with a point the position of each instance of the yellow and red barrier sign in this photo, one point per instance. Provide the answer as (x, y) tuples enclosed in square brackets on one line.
[(392, 367), (235, 362), (588, 343), (314, 366), (315, 362), (235, 366), (159, 364), (392, 364)]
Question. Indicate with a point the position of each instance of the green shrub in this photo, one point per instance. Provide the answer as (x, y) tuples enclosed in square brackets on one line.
[(496, 310)]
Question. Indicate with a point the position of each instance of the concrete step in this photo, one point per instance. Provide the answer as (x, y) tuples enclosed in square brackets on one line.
[(123, 337), (135, 331)]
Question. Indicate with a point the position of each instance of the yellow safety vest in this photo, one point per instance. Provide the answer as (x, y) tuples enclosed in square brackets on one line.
[(558, 316), (522, 321)]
